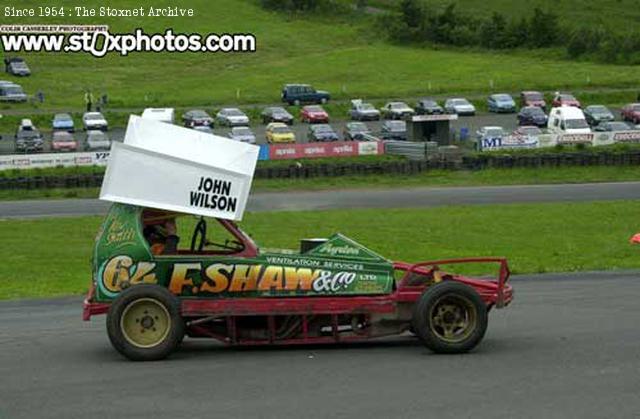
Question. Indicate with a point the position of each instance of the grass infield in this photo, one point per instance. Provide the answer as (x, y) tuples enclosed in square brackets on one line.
[(50, 257)]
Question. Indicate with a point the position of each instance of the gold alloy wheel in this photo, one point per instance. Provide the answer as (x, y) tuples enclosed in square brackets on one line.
[(453, 318), (145, 323)]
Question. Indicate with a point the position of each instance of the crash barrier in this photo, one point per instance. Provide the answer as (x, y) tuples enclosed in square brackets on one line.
[(408, 149), (552, 140), (31, 161), (301, 171), (267, 152)]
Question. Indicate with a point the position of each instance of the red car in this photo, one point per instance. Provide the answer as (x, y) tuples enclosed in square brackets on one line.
[(631, 112), (565, 99), (532, 98), (314, 114), (63, 141)]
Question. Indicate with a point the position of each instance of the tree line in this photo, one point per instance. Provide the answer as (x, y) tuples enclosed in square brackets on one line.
[(418, 22), (415, 21)]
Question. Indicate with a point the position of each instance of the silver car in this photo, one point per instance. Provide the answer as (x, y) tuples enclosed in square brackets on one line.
[(232, 117), (243, 134), (460, 106), (97, 140)]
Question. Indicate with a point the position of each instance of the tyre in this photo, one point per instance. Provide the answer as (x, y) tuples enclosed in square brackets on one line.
[(144, 323), (450, 318), (323, 100), (296, 102)]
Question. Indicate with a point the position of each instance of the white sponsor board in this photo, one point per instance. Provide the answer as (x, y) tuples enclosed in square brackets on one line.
[(551, 140), (32, 161), (178, 169), (509, 142)]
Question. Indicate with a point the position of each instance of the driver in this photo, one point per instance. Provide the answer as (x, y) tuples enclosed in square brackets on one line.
[(162, 237)]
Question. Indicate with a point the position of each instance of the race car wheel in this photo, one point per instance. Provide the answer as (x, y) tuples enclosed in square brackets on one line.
[(144, 323), (450, 317)]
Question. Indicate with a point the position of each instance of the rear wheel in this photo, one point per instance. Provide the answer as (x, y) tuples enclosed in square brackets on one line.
[(144, 323), (450, 317)]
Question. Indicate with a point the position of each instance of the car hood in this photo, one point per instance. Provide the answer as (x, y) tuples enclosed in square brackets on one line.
[(96, 122), (467, 107), (247, 137)]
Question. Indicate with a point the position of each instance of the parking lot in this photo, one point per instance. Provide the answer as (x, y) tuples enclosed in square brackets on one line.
[(472, 123)]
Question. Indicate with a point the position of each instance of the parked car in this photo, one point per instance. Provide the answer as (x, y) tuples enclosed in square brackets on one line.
[(565, 99), (276, 114), (532, 115), (631, 112), (595, 114), (97, 140), (533, 98), (460, 106), (297, 94), (232, 117), (28, 137), (63, 141), (356, 131), (614, 126), (11, 92), (427, 106), (567, 120), (94, 120), (501, 102), (278, 132), (394, 130), (203, 128), (314, 114), (196, 117), (63, 121), (17, 66), (528, 130), (362, 111), (321, 132), (490, 133), (242, 134), (397, 110)]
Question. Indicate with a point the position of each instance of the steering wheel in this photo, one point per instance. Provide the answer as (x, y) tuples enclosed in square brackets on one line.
[(199, 236)]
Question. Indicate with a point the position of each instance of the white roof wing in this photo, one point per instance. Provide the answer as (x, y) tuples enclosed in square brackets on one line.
[(178, 169)]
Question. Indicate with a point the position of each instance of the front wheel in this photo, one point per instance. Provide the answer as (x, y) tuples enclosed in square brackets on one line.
[(144, 323), (450, 317)]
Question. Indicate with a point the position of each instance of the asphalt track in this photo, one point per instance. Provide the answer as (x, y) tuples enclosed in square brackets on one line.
[(363, 198), (568, 347)]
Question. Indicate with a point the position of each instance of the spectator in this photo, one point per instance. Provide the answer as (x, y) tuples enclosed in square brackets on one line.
[(88, 100), (40, 96)]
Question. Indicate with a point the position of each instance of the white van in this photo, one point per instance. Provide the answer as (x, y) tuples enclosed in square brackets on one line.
[(567, 120), (159, 114)]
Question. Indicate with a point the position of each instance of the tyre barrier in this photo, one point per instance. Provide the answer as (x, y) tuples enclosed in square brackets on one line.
[(406, 167)]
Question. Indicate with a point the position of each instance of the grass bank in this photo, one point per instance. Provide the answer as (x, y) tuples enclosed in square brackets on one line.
[(50, 257)]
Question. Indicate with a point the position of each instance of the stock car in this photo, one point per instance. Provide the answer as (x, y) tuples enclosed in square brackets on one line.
[(219, 284)]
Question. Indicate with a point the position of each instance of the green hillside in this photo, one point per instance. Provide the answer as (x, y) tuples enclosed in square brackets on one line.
[(340, 54), (620, 15)]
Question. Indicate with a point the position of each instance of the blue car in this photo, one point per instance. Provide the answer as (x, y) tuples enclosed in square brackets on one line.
[(63, 122), (501, 102)]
